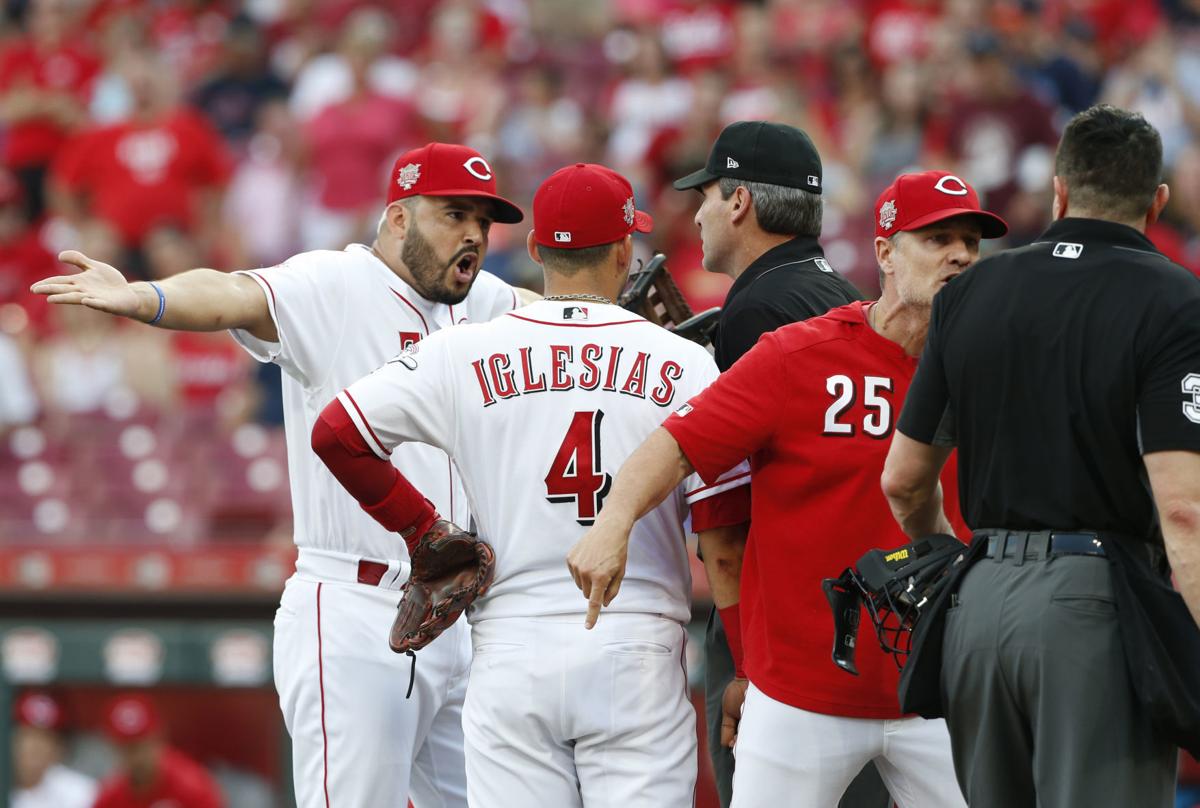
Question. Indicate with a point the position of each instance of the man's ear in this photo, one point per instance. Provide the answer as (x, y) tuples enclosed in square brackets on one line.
[(532, 247), (1059, 209), (885, 250), (396, 217), (1161, 195), (742, 205)]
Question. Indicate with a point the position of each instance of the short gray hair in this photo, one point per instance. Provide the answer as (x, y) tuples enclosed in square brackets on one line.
[(780, 209)]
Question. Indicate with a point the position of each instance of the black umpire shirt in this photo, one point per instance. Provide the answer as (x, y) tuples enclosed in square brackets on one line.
[(786, 284), (1055, 367)]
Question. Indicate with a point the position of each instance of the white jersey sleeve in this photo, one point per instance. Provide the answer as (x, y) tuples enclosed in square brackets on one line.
[(494, 297), (307, 297), (411, 398)]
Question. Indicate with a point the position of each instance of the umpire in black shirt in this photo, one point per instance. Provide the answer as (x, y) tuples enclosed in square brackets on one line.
[(759, 223), (1068, 374)]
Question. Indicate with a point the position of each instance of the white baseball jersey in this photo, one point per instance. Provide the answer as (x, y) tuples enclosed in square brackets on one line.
[(340, 314), (539, 409)]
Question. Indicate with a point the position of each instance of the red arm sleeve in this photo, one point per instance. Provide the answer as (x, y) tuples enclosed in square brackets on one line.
[(379, 487)]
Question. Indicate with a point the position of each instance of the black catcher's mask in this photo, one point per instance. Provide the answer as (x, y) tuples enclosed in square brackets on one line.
[(894, 585)]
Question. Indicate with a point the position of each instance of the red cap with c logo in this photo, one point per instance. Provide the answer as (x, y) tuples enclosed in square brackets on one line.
[(447, 169), (914, 201)]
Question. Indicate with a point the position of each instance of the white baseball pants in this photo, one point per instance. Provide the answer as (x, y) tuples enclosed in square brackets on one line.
[(356, 740), (560, 716), (792, 758)]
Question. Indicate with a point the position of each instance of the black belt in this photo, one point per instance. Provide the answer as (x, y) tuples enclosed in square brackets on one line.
[(1041, 544)]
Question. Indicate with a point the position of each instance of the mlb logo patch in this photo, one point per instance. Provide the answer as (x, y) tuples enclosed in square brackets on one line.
[(575, 313), (822, 265), (1067, 249), (562, 236), (684, 410), (814, 180)]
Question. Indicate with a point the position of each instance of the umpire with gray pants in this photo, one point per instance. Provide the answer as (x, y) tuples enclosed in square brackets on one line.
[(759, 221), (1067, 373)]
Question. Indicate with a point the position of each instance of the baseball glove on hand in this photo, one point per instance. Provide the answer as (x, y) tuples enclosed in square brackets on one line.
[(450, 569), (652, 293)]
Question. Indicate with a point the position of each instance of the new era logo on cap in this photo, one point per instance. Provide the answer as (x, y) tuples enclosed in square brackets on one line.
[(1067, 249), (731, 163), (562, 237)]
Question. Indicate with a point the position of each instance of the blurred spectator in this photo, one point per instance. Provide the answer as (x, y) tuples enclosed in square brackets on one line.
[(1148, 82), (243, 83), (166, 164), (210, 373), (18, 400), (648, 99), (152, 773), (462, 95), (352, 143), (330, 78), (542, 131), (698, 34), (23, 257), (260, 203), (901, 30), (91, 363), (46, 81), (41, 779), (991, 121)]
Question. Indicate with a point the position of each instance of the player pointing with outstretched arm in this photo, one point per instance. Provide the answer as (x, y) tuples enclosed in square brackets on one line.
[(327, 318), (538, 409)]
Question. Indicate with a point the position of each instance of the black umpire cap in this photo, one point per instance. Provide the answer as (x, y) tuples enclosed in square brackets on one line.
[(760, 151)]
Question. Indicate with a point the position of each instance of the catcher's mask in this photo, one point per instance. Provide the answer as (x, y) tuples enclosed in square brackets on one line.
[(894, 585)]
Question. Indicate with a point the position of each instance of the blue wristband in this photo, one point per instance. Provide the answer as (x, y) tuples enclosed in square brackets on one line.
[(162, 303)]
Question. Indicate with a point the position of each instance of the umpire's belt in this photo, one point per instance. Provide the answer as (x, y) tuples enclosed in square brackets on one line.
[(1042, 544)]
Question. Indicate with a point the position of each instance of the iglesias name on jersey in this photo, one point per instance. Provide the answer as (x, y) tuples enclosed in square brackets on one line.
[(539, 409), (340, 315)]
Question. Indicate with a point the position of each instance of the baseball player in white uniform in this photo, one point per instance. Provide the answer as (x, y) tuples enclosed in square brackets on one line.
[(538, 409), (327, 318)]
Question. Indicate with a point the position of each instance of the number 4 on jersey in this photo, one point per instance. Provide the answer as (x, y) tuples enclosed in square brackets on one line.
[(575, 475)]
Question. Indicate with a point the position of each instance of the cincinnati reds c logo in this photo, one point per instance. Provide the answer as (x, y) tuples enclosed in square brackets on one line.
[(961, 190), (483, 171)]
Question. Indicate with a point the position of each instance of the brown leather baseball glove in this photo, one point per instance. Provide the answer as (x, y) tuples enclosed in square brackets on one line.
[(450, 569), (652, 293)]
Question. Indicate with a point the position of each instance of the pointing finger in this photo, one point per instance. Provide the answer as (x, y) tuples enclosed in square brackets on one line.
[(594, 602)]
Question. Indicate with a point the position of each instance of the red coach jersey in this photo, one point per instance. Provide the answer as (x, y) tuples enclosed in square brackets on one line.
[(813, 405)]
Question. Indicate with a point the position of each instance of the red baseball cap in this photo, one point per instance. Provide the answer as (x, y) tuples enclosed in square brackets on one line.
[(132, 718), (916, 200), (585, 205), (447, 169), (39, 710)]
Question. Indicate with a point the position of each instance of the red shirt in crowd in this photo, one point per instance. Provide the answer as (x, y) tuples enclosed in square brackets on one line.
[(813, 405), (68, 69), (181, 783), (207, 364), (353, 144), (139, 176)]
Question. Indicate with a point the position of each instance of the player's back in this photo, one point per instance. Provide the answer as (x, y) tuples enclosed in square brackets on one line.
[(544, 406)]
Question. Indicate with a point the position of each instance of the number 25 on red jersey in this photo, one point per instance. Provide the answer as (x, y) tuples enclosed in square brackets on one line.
[(875, 392)]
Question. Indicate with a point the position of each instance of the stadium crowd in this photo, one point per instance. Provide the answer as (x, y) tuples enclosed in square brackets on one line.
[(159, 135)]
